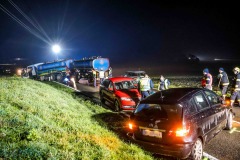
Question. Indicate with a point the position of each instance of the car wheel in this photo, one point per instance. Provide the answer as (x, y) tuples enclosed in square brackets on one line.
[(229, 121), (197, 150), (116, 106)]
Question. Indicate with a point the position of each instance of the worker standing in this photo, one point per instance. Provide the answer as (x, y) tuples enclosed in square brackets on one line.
[(163, 83), (66, 80), (223, 82), (236, 86), (94, 78), (101, 76), (145, 85), (207, 79), (110, 72)]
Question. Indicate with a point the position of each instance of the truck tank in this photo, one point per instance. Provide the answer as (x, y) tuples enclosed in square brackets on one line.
[(98, 64), (53, 67)]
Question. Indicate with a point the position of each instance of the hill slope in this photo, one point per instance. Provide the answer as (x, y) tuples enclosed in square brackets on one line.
[(39, 121)]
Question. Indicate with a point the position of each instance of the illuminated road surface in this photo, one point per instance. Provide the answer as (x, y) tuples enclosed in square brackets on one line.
[(226, 145)]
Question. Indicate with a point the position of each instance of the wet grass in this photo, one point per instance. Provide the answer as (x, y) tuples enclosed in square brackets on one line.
[(48, 121)]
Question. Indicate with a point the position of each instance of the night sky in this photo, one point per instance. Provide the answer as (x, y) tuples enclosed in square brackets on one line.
[(146, 35)]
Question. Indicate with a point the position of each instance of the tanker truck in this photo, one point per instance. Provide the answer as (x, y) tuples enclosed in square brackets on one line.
[(90, 69), (55, 70), (94, 68)]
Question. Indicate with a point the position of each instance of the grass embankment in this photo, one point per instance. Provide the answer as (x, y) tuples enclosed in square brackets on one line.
[(39, 121)]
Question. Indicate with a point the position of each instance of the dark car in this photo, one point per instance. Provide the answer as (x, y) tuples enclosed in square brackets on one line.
[(136, 75), (179, 121), (9, 69), (121, 92)]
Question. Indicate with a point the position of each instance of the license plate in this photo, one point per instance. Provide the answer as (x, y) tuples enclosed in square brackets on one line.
[(152, 133)]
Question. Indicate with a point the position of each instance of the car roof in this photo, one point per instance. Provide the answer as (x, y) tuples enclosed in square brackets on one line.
[(117, 79), (171, 96)]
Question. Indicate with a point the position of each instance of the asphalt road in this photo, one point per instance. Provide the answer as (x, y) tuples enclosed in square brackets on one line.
[(225, 146)]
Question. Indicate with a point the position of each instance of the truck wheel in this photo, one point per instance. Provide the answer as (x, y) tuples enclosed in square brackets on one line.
[(229, 121), (59, 77), (116, 106), (42, 78), (197, 150)]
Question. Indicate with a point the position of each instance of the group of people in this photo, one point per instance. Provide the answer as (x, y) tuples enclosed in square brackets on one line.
[(223, 83), (146, 85)]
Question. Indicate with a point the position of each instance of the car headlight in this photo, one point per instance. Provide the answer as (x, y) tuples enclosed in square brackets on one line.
[(19, 71), (126, 99)]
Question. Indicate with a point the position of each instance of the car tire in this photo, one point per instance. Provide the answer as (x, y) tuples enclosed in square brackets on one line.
[(197, 150), (116, 106), (229, 121)]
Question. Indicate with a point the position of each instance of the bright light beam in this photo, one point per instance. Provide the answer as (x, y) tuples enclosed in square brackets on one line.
[(38, 27), (23, 24), (56, 48), (222, 59)]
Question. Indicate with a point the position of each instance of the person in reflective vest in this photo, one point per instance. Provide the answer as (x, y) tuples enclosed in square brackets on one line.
[(163, 83), (223, 82), (110, 72), (236, 87), (145, 85), (207, 79)]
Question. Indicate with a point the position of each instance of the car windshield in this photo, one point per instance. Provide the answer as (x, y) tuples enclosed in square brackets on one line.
[(124, 85), (141, 74)]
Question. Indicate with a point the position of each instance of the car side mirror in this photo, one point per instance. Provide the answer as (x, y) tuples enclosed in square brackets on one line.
[(110, 89)]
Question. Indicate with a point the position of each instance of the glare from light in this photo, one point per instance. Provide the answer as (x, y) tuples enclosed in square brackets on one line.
[(130, 126), (56, 48)]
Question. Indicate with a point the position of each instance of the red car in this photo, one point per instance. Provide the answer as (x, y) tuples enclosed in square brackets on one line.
[(121, 92)]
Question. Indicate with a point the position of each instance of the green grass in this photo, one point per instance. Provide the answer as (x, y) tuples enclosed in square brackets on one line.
[(45, 121)]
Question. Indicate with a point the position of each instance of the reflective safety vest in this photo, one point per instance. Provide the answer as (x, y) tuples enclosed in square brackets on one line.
[(237, 82), (203, 82), (224, 79), (145, 84), (208, 78)]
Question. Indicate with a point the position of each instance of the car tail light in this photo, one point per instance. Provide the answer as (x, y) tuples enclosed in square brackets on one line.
[(180, 132), (227, 103), (131, 126)]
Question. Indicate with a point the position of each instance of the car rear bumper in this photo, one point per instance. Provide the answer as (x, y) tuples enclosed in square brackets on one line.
[(175, 150)]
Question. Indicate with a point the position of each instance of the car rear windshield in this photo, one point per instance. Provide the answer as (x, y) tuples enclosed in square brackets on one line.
[(167, 96), (157, 111)]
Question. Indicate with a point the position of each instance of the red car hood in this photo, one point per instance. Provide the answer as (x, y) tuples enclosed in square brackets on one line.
[(133, 93)]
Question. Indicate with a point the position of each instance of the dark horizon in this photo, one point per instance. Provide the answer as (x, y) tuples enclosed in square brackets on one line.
[(133, 34)]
